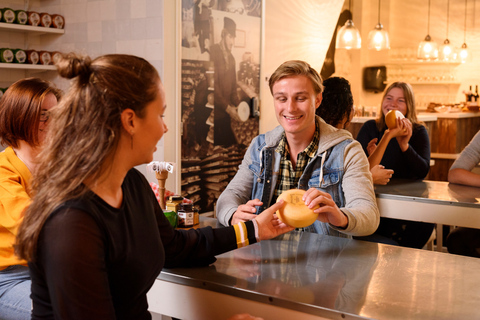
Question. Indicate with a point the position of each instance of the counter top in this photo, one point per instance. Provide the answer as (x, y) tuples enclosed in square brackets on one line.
[(453, 115), (339, 278), (425, 117)]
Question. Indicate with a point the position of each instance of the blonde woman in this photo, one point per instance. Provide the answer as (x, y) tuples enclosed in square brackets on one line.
[(94, 235), (405, 150)]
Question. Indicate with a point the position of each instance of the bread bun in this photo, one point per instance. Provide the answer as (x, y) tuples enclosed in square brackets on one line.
[(295, 213), (391, 118)]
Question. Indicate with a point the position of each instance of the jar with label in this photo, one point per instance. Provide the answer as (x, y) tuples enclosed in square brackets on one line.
[(186, 216), (19, 56), (58, 21), (45, 20), (45, 57), (173, 203), (21, 17), (33, 18), (6, 55), (8, 15), (56, 56), (32, 56)]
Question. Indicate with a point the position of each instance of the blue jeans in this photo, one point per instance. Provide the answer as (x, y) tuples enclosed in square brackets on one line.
[(15, 302)]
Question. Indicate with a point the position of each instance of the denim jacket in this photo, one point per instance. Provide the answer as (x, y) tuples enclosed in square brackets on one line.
[(340, 168)]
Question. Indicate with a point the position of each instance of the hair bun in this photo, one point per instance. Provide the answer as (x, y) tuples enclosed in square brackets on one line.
[(72, 65)]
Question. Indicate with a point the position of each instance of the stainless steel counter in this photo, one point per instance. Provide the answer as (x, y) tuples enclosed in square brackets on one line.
[(313, 276), (436, 202)]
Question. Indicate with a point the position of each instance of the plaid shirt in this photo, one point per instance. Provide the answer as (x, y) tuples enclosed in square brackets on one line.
[(288, 177)]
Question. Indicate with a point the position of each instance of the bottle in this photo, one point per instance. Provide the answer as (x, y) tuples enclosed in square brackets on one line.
[(476, 92)]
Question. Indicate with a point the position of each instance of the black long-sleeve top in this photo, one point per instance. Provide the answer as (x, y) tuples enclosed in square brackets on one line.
[(98, 262), (414, 163)]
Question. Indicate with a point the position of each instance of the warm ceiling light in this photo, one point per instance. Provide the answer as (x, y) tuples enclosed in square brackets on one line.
[(464, 49), (348, 37), (378, 38), (428, 49), (446, 51)]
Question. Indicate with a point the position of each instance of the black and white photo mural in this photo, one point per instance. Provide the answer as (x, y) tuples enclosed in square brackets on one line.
[(220, 76)]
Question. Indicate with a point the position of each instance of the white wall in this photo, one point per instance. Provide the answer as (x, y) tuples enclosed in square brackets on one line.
[(294, 30), (96, 28)]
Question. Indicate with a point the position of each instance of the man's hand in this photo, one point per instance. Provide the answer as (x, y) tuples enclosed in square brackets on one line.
[(233, 112), (246, 212), (328, 211)]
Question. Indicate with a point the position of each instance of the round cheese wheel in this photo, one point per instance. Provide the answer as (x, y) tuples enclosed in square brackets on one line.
[(295, 213), (391, 118)]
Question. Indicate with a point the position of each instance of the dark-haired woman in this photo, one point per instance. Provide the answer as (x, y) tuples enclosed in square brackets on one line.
[(94, 235), (23, 122)]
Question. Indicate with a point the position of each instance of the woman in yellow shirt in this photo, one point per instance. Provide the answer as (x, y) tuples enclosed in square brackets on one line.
[(23, 122)]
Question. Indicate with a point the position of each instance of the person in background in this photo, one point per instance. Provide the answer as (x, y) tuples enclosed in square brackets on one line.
[(23, 123), (306, 153), (94, 236), (226, 97), (466, 241), (405, 150), (337, 110)]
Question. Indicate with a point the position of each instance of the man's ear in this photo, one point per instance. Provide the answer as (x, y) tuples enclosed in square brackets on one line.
[(128, 118), (318, 100)]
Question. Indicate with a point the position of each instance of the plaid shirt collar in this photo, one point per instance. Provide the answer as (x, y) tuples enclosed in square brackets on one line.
[(310, 150)]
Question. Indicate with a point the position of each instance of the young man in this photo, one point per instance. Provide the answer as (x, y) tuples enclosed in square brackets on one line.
[(306, 153)]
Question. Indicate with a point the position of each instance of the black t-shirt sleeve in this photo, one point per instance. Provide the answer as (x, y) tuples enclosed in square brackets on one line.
[(367, 132), (73, 263)]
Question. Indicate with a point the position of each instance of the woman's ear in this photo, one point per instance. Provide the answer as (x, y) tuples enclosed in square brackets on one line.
[(128, 117)]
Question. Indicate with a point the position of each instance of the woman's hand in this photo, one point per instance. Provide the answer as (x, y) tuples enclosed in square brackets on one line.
[(269, 226), (328, 211), (372, 145), (380, 175), (246, 212), (406, 126)]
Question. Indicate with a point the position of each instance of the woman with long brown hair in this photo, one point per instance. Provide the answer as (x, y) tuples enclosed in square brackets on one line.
[(23, 124), (404, 149), (94, 235)]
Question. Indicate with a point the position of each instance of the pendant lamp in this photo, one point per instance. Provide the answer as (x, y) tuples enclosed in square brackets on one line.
[(464, 49), (378, 38), (446, 51), (348, 37), (428, 49)]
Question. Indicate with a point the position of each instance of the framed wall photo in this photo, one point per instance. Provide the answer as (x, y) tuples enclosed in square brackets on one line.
[(240, 39), (220, 80)]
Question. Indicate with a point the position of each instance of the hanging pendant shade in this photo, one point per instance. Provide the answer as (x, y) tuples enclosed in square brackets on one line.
[(348, 37), (378, 38), (427, 49), (464, 53), (446, 53)]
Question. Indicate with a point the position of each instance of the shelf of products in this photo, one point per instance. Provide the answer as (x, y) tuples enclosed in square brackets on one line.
[(26, 66), (30, 29)]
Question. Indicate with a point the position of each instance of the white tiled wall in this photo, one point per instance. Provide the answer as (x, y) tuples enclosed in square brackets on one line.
[(94, 28)]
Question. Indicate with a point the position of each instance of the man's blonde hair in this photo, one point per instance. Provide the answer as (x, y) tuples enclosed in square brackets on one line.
[(296, 68)]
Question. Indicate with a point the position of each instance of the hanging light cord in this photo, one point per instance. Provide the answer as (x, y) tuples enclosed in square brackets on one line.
[(428, 27), (378, 11), (448, 12), (465, 29)]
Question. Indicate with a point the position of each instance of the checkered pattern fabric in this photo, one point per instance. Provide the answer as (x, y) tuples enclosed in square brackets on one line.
[(288, 177)]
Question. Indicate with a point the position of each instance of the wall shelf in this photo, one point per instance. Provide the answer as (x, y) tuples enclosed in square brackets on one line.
[(30, 29), (26, 66)]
